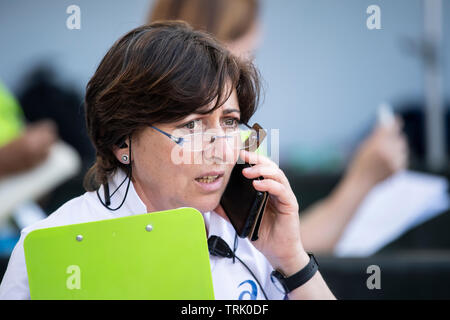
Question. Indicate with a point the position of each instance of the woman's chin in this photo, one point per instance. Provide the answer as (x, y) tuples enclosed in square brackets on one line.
[(206, 205)]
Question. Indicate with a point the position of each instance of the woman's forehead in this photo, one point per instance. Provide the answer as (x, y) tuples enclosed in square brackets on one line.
[(230, 105), (224, 110)]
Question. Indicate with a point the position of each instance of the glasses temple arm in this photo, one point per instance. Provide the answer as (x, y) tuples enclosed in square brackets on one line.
[(175, 139)]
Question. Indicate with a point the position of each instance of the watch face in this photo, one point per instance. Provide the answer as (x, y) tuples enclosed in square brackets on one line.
[(275, 276)]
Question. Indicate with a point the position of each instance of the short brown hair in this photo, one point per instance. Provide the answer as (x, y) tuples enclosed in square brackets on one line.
[(159, 73)]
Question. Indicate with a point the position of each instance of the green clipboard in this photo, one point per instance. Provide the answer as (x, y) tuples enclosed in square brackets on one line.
[(160, 255)]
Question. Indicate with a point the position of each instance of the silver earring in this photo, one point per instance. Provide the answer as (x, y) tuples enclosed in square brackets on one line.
[(125, 158)]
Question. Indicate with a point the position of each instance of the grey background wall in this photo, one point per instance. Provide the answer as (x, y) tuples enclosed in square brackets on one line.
[(325, 72)]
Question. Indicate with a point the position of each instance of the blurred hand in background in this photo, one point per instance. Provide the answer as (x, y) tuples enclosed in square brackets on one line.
[(29, 149), (382, 154)]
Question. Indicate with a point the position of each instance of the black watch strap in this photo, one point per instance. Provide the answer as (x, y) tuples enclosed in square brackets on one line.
[(300, 278)]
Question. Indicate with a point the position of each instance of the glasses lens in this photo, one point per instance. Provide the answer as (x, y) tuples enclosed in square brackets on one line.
[(248, 138), (237, 138)]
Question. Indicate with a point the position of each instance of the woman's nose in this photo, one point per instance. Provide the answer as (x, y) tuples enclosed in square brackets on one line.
[(220, 149)]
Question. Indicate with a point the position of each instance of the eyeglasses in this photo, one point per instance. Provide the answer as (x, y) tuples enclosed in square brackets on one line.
[(238, 138)]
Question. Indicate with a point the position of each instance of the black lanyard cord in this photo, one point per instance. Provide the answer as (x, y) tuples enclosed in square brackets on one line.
[(106, 188)]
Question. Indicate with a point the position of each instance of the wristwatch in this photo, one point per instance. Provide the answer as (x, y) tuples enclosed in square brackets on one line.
[(287, 284)]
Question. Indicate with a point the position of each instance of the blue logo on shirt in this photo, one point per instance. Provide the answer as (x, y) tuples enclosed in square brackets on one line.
[(252, 294)]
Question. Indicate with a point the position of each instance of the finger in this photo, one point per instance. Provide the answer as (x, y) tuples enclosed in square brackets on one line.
[(274, 188), (394, 129), (39, 141), (265, 171), (48, 139)]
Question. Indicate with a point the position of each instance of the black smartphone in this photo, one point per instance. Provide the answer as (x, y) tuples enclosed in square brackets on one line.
[(243, 204)]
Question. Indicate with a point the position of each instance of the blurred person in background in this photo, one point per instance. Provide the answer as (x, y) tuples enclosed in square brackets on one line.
[(237, 25), (44, 95), (21, 148)]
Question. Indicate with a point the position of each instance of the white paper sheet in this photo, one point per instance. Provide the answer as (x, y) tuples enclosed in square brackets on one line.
[(392, 208)]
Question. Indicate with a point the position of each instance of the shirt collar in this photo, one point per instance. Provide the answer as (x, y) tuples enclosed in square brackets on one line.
[(220, 227)]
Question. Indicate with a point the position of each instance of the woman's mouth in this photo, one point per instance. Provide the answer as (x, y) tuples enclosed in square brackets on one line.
[(210, 182), (207, 179)]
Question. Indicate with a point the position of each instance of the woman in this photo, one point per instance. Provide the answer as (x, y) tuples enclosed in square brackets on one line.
[(157, 84), (237, 25)]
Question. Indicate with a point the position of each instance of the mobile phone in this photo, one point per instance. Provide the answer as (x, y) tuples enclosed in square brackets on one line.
[(243, 204)]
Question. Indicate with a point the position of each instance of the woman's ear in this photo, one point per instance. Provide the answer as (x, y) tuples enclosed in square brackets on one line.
[(122, 152)]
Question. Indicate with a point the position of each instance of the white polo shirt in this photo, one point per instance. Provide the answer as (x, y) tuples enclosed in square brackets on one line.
[(230, 280)]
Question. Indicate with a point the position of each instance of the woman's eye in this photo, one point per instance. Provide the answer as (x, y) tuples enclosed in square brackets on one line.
[(231, 122), (193, 125), (190, 125)]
